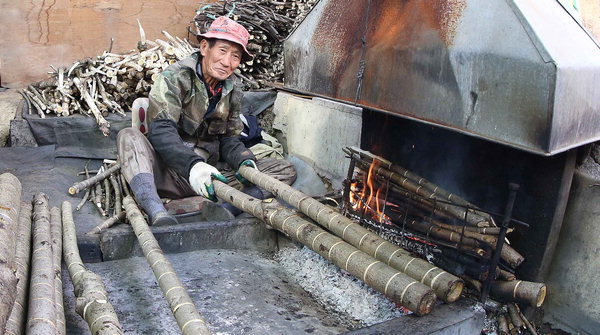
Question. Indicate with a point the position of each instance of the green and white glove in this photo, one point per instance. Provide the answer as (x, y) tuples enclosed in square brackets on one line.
[(248, 162), (200, 179)]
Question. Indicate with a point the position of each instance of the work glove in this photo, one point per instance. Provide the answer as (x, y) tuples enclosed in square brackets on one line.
[(200, 179), (238, 176)]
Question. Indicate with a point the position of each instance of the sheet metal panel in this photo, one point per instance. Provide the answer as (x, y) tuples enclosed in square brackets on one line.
[(503, 70)]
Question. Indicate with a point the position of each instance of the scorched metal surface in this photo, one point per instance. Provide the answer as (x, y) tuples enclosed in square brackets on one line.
[(517, 72)]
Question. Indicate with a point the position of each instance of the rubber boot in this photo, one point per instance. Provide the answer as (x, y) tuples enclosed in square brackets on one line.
[(144, 190)]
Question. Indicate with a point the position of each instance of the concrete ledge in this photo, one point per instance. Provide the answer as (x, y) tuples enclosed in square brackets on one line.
[(462, 317), (242, 234)]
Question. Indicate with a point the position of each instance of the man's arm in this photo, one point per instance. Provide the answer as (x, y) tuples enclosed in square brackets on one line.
[(168, 144), (164, 111), (234, 152)]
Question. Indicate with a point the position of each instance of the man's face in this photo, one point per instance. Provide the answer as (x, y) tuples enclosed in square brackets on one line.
[(221, 60)]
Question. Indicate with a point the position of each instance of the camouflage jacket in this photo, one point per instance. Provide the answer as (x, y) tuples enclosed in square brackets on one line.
[(181, 132)]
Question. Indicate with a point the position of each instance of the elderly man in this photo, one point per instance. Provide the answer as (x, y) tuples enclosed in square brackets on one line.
[(194, 123)]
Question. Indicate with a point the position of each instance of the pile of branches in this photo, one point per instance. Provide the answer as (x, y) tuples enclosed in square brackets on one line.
[(107, 83), (105, 188), (269, 23)]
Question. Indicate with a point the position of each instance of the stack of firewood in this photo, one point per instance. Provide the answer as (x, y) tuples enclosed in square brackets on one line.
[(107, 83), (269, 23)]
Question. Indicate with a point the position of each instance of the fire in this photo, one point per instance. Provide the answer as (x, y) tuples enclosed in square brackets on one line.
[(367, 198)]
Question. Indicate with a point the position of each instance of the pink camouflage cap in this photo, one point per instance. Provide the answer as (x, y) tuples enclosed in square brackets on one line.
[(225, 28)]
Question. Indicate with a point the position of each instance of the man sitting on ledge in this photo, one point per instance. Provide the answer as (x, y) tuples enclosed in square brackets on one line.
[(194, 124)]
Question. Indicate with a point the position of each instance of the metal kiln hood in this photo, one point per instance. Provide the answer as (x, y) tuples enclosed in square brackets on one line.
[(519, 72)]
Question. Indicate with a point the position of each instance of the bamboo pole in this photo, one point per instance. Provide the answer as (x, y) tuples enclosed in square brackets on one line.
[(16, 322), (10, 202), (107, 194), (188, 319), (92, 299), (519, 291), (56, 235), (107, 223), (436, 191), (446, 286), (394, 284), (41, 318), (117, 188), (78, 187), (469, 215)]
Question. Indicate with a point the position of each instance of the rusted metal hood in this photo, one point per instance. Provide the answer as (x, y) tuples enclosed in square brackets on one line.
[(519, 72)]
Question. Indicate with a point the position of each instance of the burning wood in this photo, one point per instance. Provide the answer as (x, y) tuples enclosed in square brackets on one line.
[(105, 84), (269, 23), (448, 202), (424, 218)]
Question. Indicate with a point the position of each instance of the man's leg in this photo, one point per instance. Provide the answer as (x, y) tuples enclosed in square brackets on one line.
[(142, 170)]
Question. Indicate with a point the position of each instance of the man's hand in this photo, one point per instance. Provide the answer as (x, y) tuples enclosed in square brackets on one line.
[(201, 176), (250, 163)]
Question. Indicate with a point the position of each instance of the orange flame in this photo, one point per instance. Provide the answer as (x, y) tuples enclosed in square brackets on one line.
[(372, 205)]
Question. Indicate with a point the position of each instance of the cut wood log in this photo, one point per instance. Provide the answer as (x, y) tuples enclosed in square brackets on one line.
[(446, 286), (117, 189), (56, 235), (78, 187), (107, 223), (10, 203), (182, 306), (396, 285), (41, 317), (519, 291), (103, 125), (92, 299), (16, 322)]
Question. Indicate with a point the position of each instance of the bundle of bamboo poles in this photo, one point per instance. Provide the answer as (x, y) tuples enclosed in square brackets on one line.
[(31, 249), (396, 285), (105, 190), (269, 23), (395, 197), (107, 83)]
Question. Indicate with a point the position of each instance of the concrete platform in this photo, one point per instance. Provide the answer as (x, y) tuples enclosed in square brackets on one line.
[(237, 292), (230, 273)]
